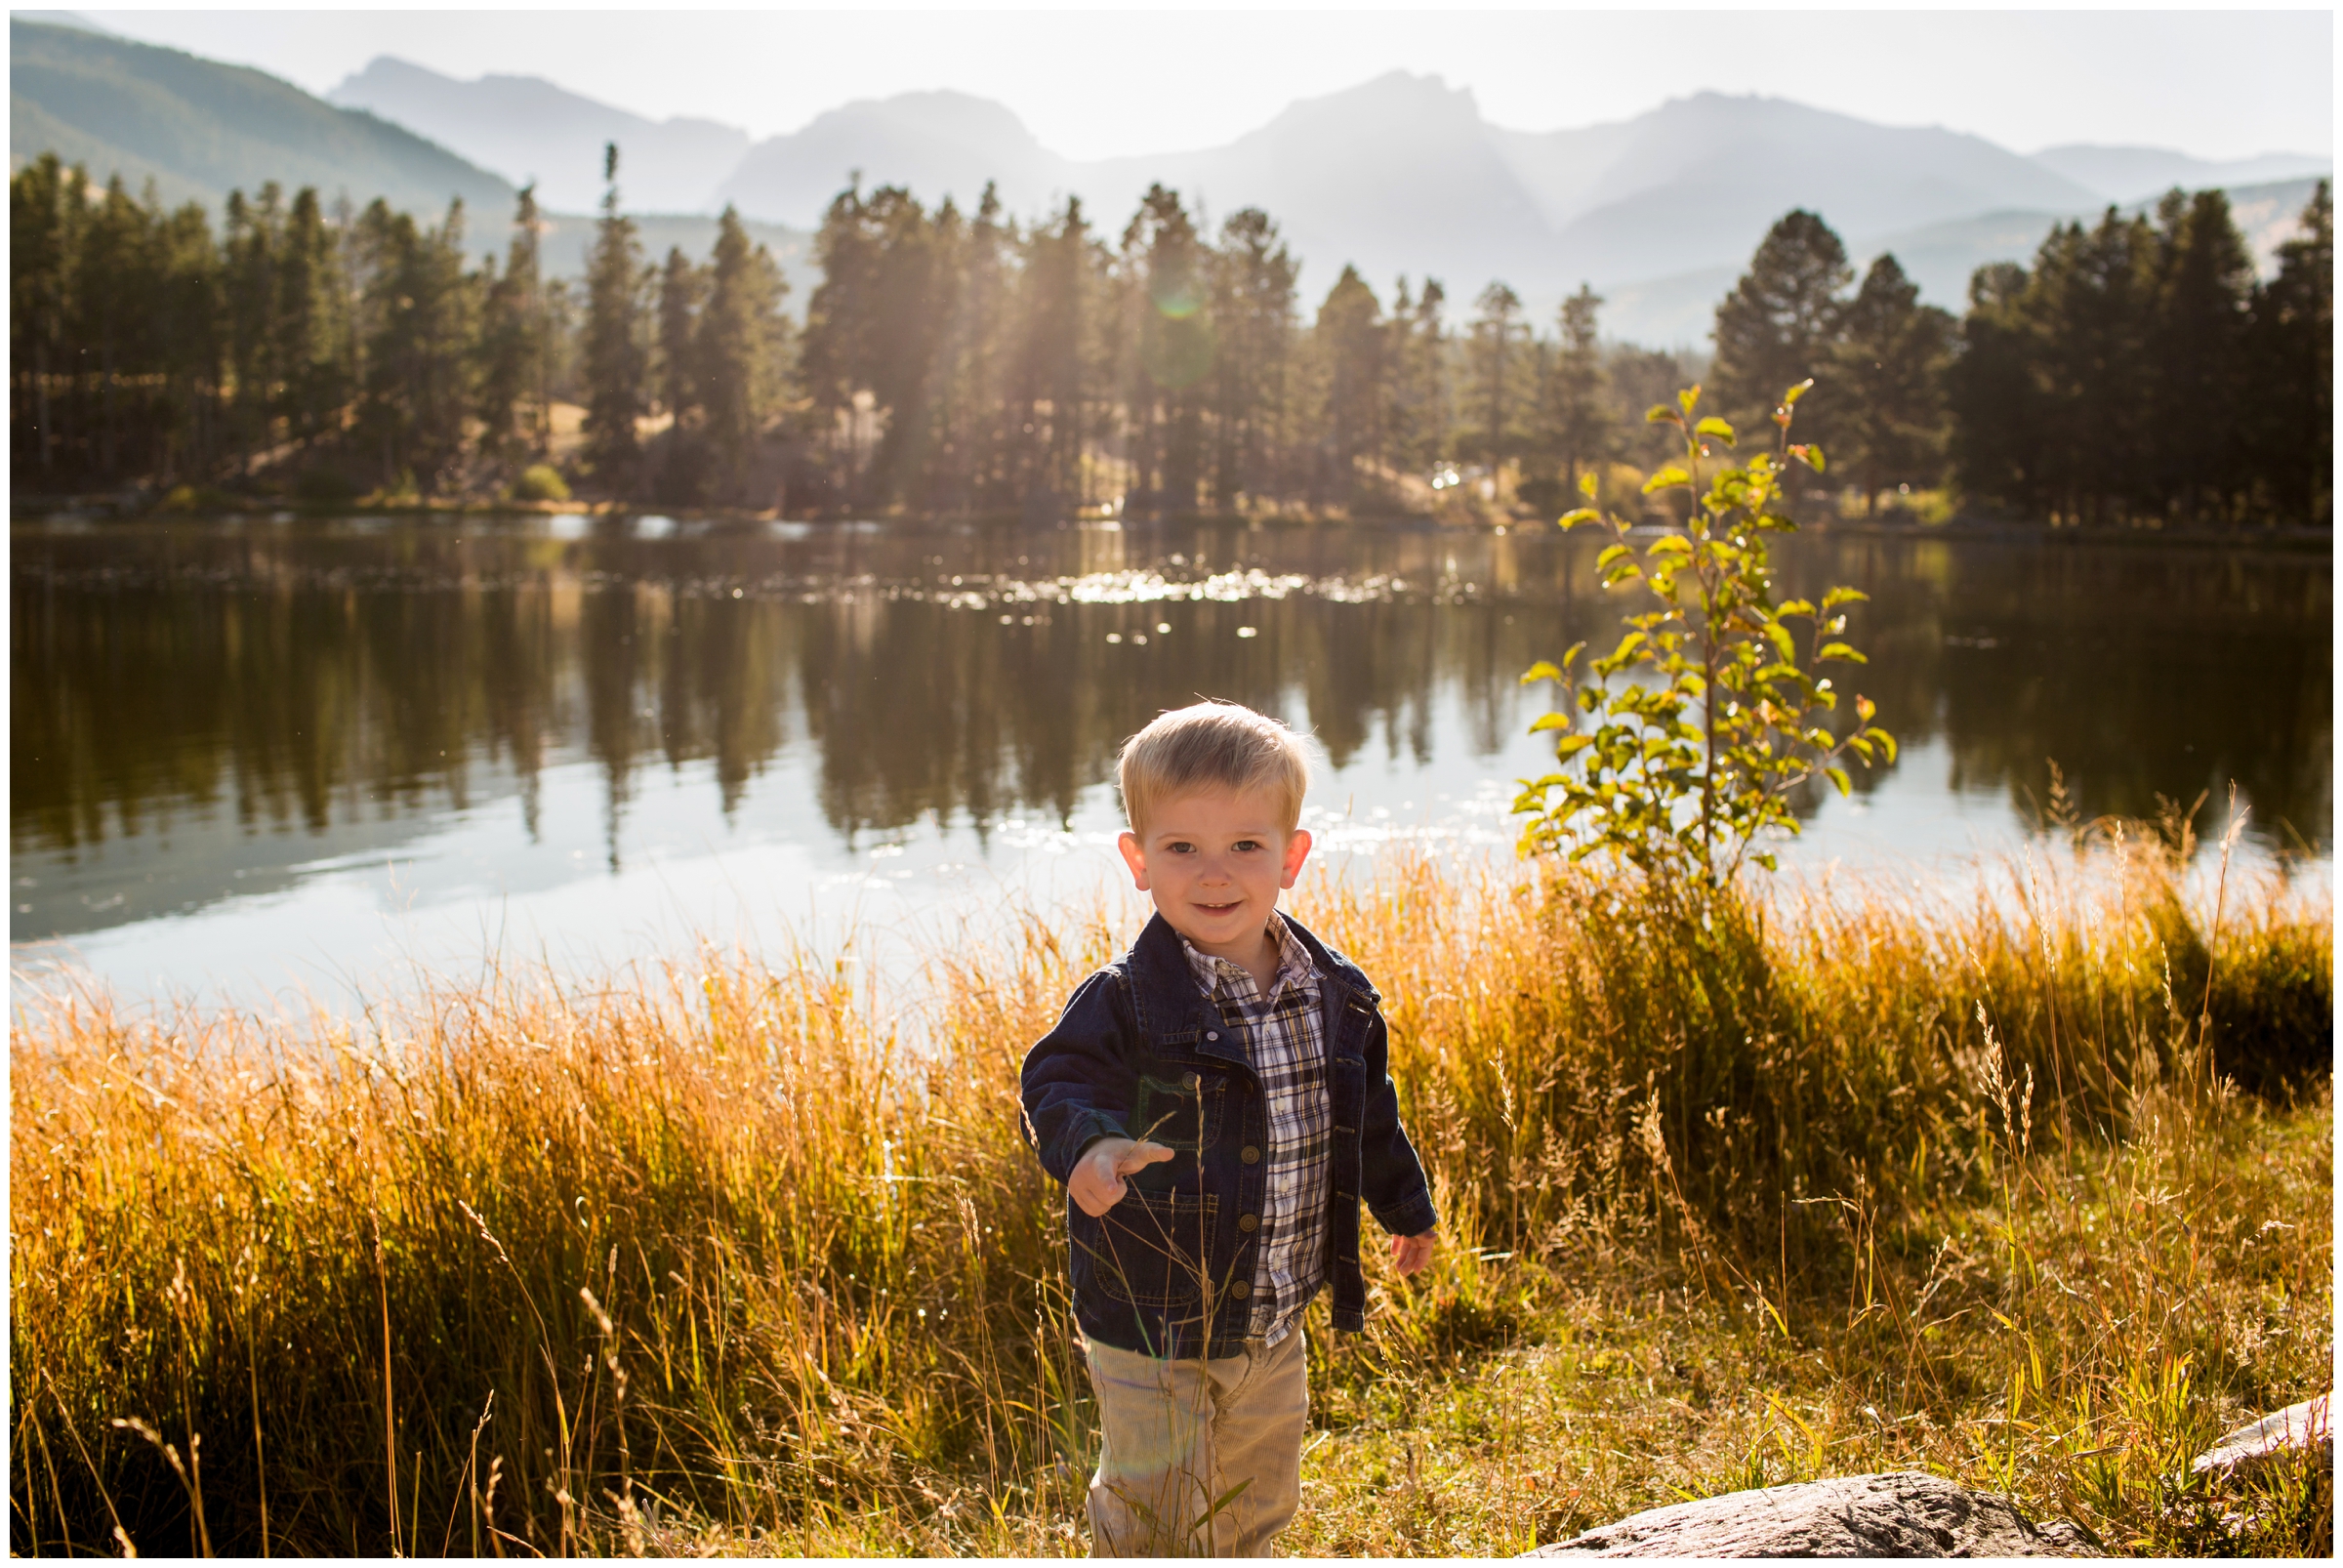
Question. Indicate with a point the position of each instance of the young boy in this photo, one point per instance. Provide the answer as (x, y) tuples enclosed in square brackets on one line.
[(1217, 1104)]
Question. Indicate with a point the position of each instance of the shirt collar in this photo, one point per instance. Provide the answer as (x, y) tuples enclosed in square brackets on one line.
[(1294, 965)]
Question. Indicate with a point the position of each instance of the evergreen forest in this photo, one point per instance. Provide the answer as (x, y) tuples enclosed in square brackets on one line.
[(2139, 372)]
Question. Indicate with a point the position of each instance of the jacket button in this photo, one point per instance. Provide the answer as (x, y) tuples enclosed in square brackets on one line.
[(1212, 1034), (1240, 1289), (1249, 1222), (1251, 1155)]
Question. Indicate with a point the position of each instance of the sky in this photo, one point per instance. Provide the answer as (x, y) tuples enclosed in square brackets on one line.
[(1099, 82)]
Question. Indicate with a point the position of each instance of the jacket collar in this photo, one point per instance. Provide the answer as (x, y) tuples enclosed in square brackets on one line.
[(1165, 990)]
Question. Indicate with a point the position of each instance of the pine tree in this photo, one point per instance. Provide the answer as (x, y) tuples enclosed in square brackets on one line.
[(510, 351), (1055, 293), (1253, 277), (2195, 448), (682, 295), (2291, 364), (615, 363), (1422, 416), (1888, 374), (1996, 397), (255, 237), (310, 321), (418, 323), (740, 350), (2089, 299), (42, 205), (1577, 424), (1493, 354), (1354, 346), (1173, 344), (1779, 325)]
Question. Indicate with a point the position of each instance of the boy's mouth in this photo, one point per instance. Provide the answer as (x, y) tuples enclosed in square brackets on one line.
[(1221, 909)]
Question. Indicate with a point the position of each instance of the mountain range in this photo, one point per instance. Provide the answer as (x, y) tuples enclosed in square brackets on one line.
[(197, 129), (1400, 175)]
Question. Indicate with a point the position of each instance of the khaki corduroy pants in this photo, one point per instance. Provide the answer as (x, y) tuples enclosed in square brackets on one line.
[(1176, 1436)]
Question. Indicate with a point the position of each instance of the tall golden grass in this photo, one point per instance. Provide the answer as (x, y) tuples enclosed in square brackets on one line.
[(732, 1253)]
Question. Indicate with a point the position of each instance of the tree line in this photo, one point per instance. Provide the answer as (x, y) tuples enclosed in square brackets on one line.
[(339, 353), (965, 362)]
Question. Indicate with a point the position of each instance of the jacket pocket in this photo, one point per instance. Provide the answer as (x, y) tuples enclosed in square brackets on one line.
[(1149, 1250), (1178, 1107)]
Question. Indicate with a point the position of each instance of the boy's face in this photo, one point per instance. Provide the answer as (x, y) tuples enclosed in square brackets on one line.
[(1214, 862)]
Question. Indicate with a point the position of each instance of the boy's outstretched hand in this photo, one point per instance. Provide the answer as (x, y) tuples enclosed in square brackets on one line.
[(1097, 1180), (1411, 1252)]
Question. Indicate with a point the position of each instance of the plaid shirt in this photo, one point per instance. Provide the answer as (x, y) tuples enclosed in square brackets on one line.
[(1283, 1035)]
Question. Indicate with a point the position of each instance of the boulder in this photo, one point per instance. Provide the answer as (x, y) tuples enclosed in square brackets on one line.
[(2296, 1429), (1900, 1515)]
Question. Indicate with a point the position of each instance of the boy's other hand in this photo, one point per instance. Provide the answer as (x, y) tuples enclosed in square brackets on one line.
[(1411, 1252), (1097, 1181)]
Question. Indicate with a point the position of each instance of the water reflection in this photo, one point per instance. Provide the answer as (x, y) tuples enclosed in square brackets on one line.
[(202, 711)]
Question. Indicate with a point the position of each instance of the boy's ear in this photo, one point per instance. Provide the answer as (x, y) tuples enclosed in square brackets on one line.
[(1137, 859), (1297, 849)]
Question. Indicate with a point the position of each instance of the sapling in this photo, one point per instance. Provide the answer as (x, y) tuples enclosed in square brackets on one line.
[(1681, 745)]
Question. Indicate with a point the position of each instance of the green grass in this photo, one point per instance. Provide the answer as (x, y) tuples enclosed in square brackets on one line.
[(744, 1256)]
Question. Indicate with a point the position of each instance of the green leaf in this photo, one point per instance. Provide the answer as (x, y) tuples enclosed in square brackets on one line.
[(1553, 721), (1781, 640), (1886, 740), (1586, 485), (1571, 520), (1840, 650), (1811, 455), (1662, 414), (1542, 669), (1838, 776), (1689, 397), (1796, 607), (1769, 863), (1668, 479), (1612, 553), (1797, 392), (1843, 595), (1674, 544), (1713, 425)]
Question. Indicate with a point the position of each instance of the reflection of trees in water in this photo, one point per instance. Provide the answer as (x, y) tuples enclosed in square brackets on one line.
[(307, 683)]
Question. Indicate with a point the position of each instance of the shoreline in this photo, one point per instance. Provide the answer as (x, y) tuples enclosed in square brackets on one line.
[(35, 511)]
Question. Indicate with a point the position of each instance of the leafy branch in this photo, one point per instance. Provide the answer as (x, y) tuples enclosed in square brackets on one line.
[(1682, 745)]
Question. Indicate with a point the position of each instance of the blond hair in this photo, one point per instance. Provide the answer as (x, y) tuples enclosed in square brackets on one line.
[(1212, 746)]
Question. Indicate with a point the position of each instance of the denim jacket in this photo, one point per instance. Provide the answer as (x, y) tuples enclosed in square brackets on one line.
[(1140, 1045)]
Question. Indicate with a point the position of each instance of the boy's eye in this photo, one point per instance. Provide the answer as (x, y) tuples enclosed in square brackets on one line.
[(1248, 844), (1181, 846)]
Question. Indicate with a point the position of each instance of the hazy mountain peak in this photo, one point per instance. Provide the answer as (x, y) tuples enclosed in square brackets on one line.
[(937, 143), (198, 128), (1400, 92), (527, 128), (940, 112)]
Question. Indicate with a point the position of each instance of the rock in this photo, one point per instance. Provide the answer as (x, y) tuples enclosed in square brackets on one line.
[(1900, 1515), (2296, 1429)]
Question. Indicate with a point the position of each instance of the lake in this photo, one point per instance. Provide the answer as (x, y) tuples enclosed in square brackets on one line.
[(254, 758)]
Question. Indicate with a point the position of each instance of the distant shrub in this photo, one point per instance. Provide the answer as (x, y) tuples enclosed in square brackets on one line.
[(540, 482), (197, 498)]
